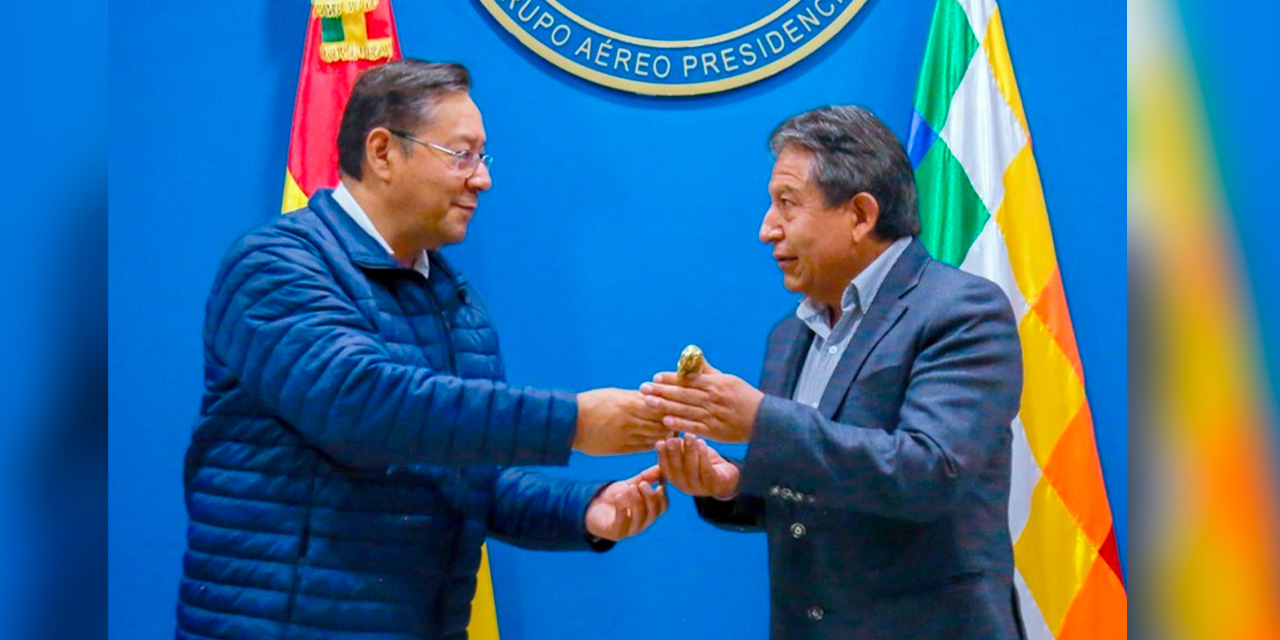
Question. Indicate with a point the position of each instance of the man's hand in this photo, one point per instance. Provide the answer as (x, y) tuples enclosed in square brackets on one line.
[(714, 405), (695, 468), (624, 509), (614, 421)]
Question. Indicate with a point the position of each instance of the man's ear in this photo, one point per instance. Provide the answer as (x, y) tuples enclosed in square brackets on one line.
[(378, 153), (864, 213)]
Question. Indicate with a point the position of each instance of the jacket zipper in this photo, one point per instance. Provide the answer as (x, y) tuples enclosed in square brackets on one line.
[(445, 327), (303, 545)]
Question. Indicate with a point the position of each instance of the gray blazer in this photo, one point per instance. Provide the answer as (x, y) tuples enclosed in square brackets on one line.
[(886, 508)]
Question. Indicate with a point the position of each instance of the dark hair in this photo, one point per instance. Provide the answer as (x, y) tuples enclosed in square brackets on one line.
[(855, 152), (397, 95)]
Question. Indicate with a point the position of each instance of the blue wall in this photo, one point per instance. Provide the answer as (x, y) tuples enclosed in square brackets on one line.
[(620, 228)]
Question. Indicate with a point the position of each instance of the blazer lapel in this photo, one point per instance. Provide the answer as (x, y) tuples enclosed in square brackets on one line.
[(795, 360), (887, 308), (791, 343)]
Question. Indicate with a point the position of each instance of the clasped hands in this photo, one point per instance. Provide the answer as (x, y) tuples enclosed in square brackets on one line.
[(710, 404)]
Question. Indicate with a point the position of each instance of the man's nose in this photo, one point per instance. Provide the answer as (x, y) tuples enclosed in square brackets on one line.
[(480, 179), (770, 231)]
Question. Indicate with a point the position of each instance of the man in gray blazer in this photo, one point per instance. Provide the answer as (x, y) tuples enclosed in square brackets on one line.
[(879, 441)]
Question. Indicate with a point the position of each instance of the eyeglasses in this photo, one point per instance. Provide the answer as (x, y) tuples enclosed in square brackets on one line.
[(465, 160)]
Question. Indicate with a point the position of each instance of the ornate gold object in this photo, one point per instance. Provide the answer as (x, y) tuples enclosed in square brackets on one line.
[(691, 361)]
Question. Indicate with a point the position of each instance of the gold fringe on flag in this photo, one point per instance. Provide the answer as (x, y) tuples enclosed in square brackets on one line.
[(335, 8), (348, 52)]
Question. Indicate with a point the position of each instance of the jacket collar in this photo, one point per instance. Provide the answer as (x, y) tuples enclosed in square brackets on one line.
[(363, 249)]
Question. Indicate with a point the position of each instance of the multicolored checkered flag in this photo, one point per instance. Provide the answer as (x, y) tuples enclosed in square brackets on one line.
[(1206, 421), (982, 209)]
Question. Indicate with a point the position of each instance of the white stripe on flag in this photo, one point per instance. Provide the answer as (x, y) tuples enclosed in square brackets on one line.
[(1032, 619), (979, 14), (1026, 473), (982, 131), (989, 257)]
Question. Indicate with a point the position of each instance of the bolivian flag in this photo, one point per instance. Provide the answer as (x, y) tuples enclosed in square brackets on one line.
[(344, 37)]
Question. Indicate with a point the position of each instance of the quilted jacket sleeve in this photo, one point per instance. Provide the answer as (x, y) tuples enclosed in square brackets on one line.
[(283, 329), (533, 511)]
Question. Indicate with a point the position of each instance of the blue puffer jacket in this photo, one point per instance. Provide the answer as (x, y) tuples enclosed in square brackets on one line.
[(351, 448)]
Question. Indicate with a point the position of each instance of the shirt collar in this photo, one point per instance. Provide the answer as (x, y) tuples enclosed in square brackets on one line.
[(343, 197), (858, 295)]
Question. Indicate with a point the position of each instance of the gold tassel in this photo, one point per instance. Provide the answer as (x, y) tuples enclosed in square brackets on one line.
[(346, 52), (335, 8)]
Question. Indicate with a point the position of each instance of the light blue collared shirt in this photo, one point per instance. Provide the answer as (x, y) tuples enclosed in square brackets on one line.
[(344, 199), (830, 342)]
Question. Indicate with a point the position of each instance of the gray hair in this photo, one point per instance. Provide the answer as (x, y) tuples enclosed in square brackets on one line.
[(854, 152), (397, 95)]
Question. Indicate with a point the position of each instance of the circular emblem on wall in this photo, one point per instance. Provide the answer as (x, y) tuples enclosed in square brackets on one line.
[(676, 47)]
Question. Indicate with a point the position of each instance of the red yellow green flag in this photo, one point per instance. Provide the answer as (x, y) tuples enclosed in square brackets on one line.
[(345, 37)]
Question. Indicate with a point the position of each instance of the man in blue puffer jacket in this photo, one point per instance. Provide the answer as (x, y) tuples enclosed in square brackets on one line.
[(356, 435)]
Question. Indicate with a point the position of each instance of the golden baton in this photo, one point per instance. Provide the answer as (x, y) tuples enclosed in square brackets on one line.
[(691, 362)]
